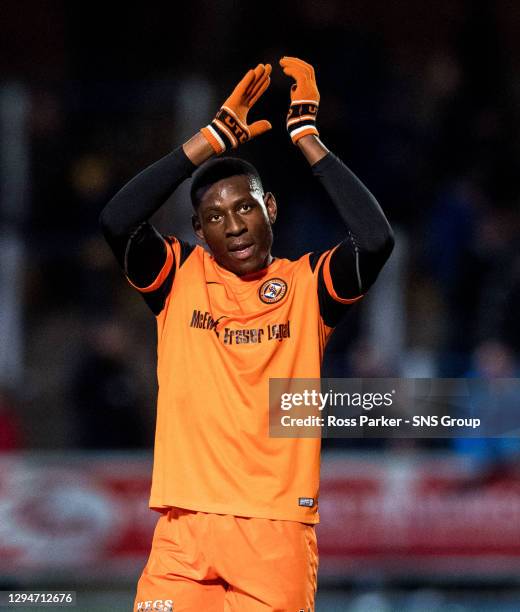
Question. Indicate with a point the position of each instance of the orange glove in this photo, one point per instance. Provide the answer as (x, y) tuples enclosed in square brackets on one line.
[(230, 128), (305, 98)]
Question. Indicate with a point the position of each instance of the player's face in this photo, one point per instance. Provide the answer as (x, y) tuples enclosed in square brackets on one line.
[(234, 218)]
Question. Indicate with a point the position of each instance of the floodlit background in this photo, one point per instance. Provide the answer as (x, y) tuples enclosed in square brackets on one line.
[(421, 100)]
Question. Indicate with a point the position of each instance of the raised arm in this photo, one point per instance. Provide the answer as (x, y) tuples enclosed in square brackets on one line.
[(354, 263), (125, 215), (139, 248), (358, 259)]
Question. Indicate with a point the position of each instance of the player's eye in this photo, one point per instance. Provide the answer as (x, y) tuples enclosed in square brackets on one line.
[(245, 207), (214, 218)]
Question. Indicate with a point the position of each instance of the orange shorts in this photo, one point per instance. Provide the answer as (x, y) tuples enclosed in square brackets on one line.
[(203, 562)]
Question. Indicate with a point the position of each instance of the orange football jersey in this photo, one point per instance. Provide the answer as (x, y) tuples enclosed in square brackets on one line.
[(220, 338)]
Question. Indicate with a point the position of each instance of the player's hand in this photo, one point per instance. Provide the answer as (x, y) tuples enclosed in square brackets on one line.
[(305, 98), (229, 128)]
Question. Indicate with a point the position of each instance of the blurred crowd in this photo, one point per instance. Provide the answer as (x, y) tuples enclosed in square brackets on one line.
[(420, 101)]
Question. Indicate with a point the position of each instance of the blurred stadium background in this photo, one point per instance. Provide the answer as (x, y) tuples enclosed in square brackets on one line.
[(421, 100)]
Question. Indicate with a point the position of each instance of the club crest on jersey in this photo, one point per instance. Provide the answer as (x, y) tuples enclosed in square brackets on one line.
[(273, 290)]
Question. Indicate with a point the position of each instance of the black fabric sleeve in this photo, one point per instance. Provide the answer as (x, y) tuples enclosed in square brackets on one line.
[(358, 259), (137, 245)]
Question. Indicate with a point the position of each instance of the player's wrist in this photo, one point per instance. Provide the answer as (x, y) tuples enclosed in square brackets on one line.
[(306, 141), (197, 149), (312, 148), (226, 131), (301, 120)]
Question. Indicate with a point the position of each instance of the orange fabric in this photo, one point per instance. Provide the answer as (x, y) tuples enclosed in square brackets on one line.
[(299, 119), (238, 104), (309, 130), (215, 144), (246, 94), (218, 344), (305, 88), (330, 287), (214, 562), (229, 133)]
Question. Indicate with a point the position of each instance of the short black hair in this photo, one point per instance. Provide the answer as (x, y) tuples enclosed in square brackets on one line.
[(217, 169)]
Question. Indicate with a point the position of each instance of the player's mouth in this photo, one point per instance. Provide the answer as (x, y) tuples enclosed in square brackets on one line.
[(241, 251)]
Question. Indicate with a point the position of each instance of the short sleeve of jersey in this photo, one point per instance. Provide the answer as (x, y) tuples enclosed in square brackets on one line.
[(332, 306), (156, 293)]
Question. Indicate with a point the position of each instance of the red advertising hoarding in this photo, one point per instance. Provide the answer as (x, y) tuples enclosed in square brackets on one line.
[(400, 516)]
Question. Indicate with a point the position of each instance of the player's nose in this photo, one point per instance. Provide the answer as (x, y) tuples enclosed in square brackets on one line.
[(234, 225)]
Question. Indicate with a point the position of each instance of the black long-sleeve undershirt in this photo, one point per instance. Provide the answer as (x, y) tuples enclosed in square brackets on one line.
[(354, 264), (125, 217)]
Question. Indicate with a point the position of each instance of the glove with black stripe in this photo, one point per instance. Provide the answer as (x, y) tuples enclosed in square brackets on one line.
[(230, 128), (305, 98)]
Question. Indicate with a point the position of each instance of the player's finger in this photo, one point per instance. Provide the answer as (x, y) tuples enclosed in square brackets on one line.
[(292, 70), (295, 69), (268, 69), (289, 71), (261, 88), (259, 127), (260, 84), (261, 76), (297, 60), (259, 71), (246, 81), (258, 74)]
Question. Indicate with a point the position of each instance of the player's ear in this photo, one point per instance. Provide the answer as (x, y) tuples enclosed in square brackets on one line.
[(270, 204), (197, 227)]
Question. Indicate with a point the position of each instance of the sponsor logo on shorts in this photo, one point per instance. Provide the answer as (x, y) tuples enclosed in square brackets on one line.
[(273, 290), (306, 501), (155, 605)]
